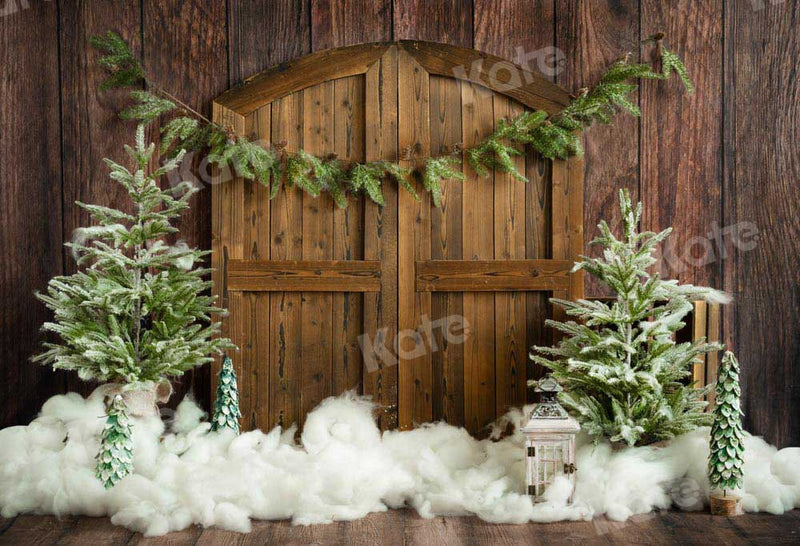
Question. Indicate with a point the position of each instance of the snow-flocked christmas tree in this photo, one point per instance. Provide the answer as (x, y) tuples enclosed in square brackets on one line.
[(226, 406), (726, 450), (138, 308), (622, 371), (115, 458)]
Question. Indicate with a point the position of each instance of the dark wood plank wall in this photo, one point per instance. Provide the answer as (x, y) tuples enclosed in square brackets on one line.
[(723, 157)]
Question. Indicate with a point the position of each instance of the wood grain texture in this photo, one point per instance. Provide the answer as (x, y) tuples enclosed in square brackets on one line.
[(445, 22), (286, 243), (91, 128), (511, 350), (446, 244), (228, 242), (591, 35), (337, 24), (681, 136), (317, 307), (761, 193), (516, 30), (304, 276), (264, 33), (413, 244), (380, 240), (30, 203), (407, 527), (450, 23), (190, 70), (348, 236), (501, 275), (755, 180), (477, 121)]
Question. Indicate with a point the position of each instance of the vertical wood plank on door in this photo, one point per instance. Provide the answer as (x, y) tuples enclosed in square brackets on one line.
[(286, 243), (227, 242), (255, 320), (477, 119), (348, 235), (414, 244), (317, 307), (90, 124), (446, 244), (591, 35), (380, 240), (511, 353)]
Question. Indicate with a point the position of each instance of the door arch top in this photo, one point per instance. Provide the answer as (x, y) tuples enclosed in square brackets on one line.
[(495, 73)]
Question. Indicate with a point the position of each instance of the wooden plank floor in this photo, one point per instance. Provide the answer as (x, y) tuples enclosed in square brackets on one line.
[(406, 527)]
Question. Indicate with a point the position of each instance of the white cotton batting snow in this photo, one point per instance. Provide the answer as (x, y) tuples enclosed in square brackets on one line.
[(343, 468)]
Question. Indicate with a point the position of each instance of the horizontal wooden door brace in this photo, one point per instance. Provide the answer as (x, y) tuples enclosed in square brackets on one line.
[(493, 275), (303, 276)]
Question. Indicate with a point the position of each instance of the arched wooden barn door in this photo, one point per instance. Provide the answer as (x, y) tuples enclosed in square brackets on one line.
[(317, 295)]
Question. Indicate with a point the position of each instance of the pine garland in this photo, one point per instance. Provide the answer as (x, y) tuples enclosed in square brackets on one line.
[(556, 136), (115, 458), (622, 371), (726, 450), (226, 406)]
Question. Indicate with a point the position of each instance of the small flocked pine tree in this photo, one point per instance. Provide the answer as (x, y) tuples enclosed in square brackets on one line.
[(138, 308), (226, 406), (620, 366), (115, 459), (726, 450)]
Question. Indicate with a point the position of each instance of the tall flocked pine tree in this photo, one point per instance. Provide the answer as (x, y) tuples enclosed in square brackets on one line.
[(138, 308), (726, 450), (622, 371)]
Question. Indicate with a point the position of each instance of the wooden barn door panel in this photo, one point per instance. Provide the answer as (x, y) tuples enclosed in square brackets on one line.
[(286, 243), (323, 300), (414, 244), (380, 240), (446, 244)]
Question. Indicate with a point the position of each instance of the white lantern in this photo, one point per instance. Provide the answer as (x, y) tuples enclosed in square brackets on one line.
[(550, 442)]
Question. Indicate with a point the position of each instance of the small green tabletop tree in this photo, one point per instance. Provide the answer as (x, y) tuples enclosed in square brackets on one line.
[(620, 366), (138, 309), (726, 449), (226, 406), (115, 459)]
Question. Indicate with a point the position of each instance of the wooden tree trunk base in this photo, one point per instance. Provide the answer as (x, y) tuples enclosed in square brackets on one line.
[(729, 505)]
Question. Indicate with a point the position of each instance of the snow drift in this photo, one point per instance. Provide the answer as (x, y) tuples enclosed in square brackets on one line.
[(344, 468)]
